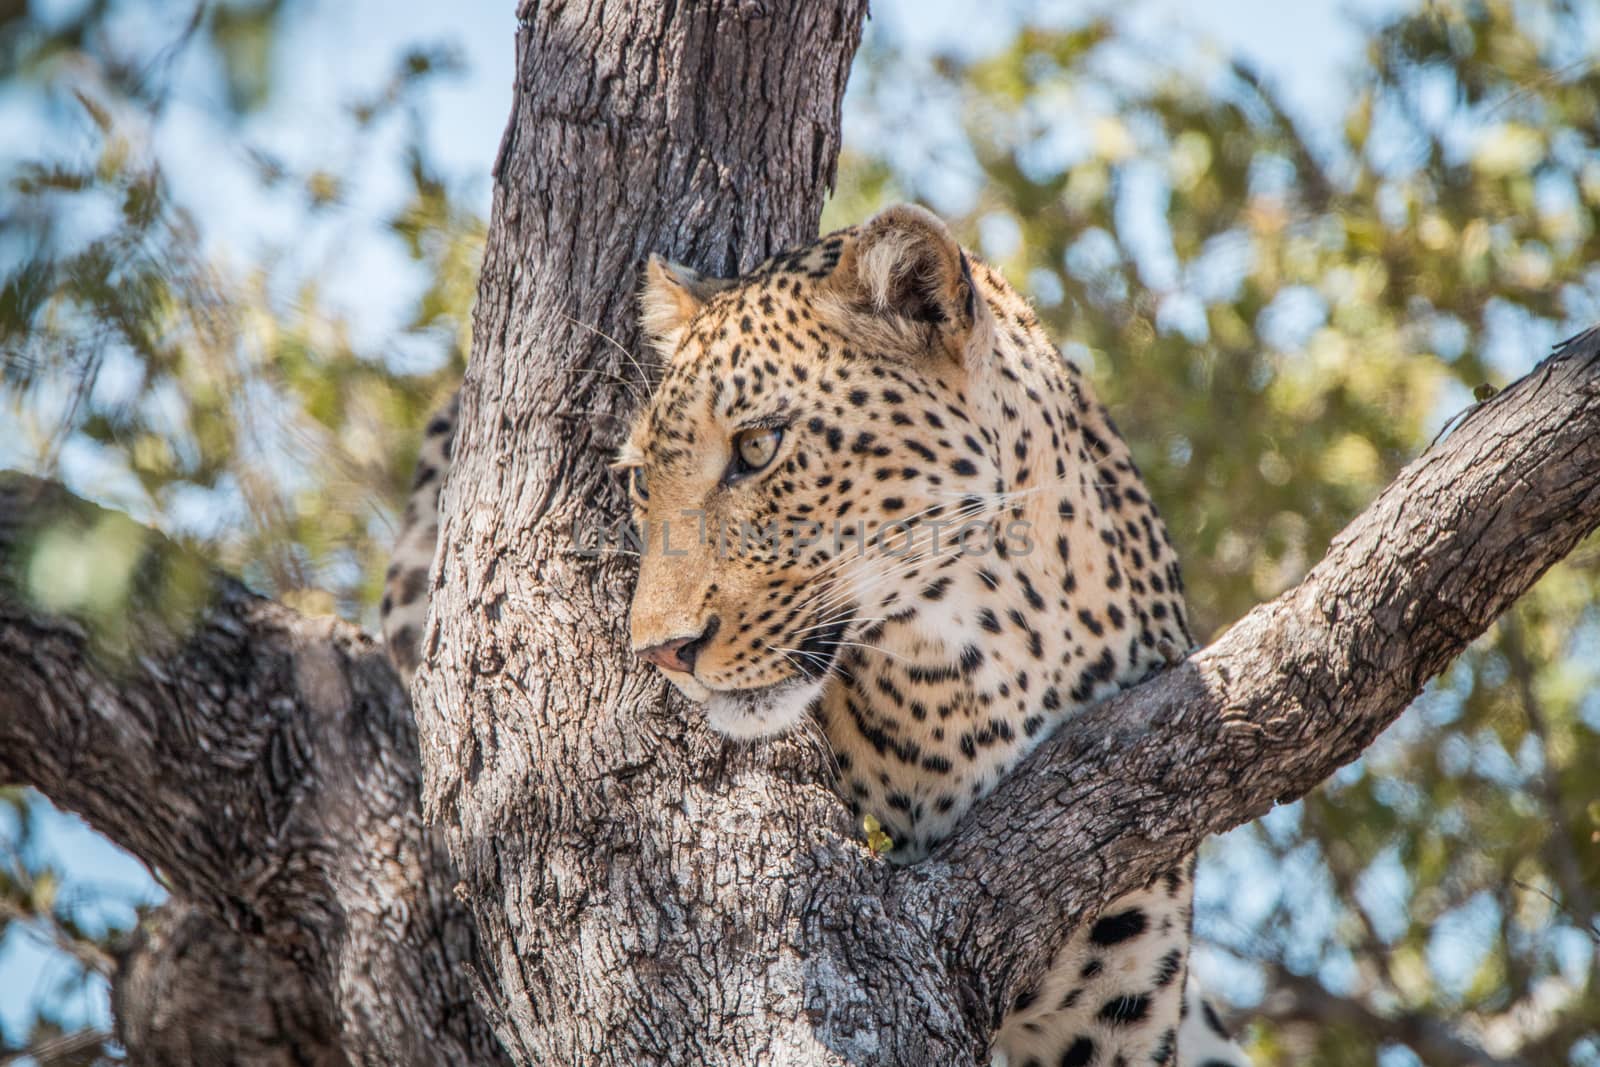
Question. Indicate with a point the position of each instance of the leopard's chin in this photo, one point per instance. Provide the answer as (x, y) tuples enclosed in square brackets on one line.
[(748, 714)]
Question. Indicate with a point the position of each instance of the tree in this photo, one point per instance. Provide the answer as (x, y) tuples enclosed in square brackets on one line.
[(609, 861)]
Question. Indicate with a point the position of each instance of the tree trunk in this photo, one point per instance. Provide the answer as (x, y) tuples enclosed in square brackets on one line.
[(640, 890), (641, 887)]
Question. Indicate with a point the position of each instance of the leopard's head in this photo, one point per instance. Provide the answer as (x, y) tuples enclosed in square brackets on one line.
[(806, 431)]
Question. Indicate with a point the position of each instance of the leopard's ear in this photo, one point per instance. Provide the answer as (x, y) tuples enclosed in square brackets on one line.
[(671, 296), (905, 264)]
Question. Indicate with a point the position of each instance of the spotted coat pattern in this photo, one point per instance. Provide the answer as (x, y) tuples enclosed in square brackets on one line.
[(819, 424)]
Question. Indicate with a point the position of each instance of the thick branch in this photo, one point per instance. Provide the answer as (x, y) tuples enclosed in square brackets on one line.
[(1295, 690), (263, 762), (188, 990), (68, 1048)]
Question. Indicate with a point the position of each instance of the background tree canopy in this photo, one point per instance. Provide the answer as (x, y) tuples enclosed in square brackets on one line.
[(1280, 312)]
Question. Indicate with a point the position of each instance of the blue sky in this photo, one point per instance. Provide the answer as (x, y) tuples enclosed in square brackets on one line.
[(341, 48)]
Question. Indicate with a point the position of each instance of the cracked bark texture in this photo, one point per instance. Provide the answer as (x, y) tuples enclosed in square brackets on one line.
[(181, 964)]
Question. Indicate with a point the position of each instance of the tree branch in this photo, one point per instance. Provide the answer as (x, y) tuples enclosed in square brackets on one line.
[(1295, 690), (188, 990), (264, 762), (68, 1048), (645, 892)]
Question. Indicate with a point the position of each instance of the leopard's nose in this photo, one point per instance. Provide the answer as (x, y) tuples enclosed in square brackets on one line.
[(679, 653)]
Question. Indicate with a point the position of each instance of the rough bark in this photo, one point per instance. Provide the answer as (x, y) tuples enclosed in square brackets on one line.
[(181, 965), (266, 765)]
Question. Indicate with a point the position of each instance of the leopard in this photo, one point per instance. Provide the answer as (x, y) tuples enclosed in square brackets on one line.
[(820, 421)]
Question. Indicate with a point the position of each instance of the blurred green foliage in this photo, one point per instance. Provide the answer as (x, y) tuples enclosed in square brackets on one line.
[(226, 403), (1279, 316)]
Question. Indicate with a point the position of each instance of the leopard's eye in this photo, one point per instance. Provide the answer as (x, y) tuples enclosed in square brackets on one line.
[(753, 449), (636, 483)]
